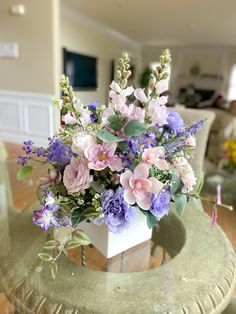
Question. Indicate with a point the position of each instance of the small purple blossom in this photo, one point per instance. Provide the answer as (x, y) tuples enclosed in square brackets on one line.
[(39, 152), (23, 160), (93, 106), (117, 214), (160, 204), (93, 118), (28, 147), (175, 122), (196, 127), (59, 152), (46, 217)]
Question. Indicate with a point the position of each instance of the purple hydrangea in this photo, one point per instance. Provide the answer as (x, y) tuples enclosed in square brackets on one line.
[(160, 204), (46, 217), (117, 214), (175, 122), (59, 152)]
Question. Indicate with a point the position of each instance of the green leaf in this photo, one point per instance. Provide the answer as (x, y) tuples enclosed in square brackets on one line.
[(107, 136), (115, 122), (151, 219), (77, 216), (175, 183), (81, 238), (123, 146), (180, 203), (200, 183), (51, 245), (72, 244), (24, 172), (98, 186), (54, 269), (135, 128), (91, 212), (45, 257)]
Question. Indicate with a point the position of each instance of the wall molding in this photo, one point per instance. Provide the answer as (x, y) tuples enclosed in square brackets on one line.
[(26, 116), (74, 14)]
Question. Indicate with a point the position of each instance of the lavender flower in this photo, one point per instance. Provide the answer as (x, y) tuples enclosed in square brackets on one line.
[(46, 217), (23, 160), (59, 152), (117, 214), (175, 123), (196, 127), (160, 204)]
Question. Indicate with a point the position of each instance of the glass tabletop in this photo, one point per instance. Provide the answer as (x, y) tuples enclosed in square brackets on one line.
[(162, 275)]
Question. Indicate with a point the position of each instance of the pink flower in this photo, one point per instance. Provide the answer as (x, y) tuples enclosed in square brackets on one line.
[(69, 118), (214, 215), (186, 173), (76, 176), (137, 186), (140, 95), (133, 112), (118, 96), (102, 156), (157, 111), (155, 156)]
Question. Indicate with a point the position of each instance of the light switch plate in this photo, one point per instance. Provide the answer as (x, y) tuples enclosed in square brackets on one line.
[(9, 50)]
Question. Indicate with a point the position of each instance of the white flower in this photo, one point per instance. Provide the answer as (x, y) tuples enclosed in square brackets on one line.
[(140, 95), (49, 200), (69, 119), (82, 141)]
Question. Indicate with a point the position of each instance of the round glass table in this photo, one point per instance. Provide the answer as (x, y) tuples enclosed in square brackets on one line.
[(187, 267)]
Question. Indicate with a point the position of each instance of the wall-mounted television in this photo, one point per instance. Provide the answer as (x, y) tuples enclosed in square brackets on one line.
[(81, 70)]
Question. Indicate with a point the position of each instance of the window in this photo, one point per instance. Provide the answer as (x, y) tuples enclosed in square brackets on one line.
[(153, 65), (232, 84)]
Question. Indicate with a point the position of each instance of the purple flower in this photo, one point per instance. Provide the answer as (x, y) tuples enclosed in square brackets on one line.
[(59, 152), (46, 217), (93, 118), (93, 106), (175, 122), (39, 151), (117, 214), (28, 147), (196, 127), (23, 160), (160, 204)]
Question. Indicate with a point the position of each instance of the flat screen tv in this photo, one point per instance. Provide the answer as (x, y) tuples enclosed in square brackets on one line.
[(81, 70)]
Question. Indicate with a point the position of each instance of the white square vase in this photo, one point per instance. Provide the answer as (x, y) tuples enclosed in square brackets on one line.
[(111, 244)]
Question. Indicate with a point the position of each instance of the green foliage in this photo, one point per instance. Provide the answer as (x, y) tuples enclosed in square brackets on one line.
[(81, 238), (51, 245), (176, 183), (116, 122), (98, 186), (24, 172), (45, 257), (135, 128), (180, 203), (107, 136), (200, 183), (123, 146), (77, 216), (145, 77), (151, 219)]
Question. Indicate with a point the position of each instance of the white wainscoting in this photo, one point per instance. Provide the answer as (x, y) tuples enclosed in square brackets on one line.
[(25, 116)]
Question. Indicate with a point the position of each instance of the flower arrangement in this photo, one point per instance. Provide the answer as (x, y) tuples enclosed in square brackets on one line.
[(106, 163), (229, 163)]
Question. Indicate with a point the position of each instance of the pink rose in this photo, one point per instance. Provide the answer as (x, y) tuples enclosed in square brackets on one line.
[(137, 186), (76, 176)]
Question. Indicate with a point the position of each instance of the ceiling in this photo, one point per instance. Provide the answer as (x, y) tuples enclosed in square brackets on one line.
[(165, 22)]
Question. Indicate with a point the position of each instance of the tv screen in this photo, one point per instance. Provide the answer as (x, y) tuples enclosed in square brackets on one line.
[(81, 70)]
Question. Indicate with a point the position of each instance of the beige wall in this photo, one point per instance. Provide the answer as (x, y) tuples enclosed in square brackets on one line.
[(78, 36), (37, 35), (212, 60)]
